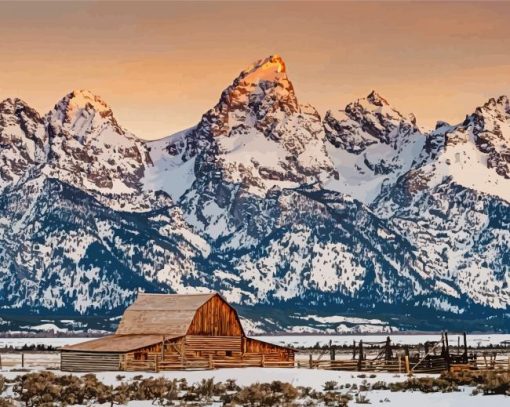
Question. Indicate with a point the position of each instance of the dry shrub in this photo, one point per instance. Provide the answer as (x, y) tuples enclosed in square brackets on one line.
[(266, 394), (6, 403)]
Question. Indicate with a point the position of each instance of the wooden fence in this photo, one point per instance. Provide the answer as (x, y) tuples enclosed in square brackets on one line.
[(30, 359), (156, 363)]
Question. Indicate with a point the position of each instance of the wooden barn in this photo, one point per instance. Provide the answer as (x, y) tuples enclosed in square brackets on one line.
[(172, 331)]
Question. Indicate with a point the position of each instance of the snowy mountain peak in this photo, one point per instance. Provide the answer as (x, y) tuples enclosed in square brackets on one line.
[(22, 140), (17, 107), (263, 88), (499, 106), (10, 104), (368, 121), (489, 128), (270, 68), (81, 111), (89, 149), (82, 98)]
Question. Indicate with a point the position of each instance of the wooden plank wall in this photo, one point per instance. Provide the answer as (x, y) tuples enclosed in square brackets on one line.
[(213, 343), (275, 352), (89, 361), (215, 318)]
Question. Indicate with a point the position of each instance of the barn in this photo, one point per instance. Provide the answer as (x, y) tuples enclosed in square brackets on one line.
[(174, 331)]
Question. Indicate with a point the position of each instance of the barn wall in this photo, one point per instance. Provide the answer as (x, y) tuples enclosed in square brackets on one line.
[(256, 346), (215, 318), (89, 361)]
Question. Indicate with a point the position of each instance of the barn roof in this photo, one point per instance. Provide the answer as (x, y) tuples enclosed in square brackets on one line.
[(161, 314), (117, 343)]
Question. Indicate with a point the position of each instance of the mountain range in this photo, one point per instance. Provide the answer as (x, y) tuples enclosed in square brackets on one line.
[(358, 221)]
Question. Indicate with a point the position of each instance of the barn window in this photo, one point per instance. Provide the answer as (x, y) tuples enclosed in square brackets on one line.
[(229, 353)]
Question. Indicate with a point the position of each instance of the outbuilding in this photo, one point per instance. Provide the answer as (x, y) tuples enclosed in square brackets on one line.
[(174, 331)]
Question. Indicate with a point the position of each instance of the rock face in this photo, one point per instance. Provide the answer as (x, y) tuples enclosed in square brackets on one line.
[(295, 219), (22, 140)]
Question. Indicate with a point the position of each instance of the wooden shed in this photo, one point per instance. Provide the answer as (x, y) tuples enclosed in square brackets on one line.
[(172, 331)]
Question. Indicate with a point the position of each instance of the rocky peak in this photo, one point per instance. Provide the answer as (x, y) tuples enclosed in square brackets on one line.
[(271, 68), (22, 140), (376, 99), (89, 149), (81, 114), (490, 126), (260, 109), (259, 90), (17, 111), (368, 121), (71, 104)]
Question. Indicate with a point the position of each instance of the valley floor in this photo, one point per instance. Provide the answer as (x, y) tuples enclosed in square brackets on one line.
[(316, 379), (305, 377)]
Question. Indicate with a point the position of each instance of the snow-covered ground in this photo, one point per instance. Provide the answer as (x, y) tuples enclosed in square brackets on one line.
[(403, 339), (302, 340), (316, 380), (19, 342)]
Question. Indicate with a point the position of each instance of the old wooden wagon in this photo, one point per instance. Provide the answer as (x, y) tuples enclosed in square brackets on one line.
[(171, 331)]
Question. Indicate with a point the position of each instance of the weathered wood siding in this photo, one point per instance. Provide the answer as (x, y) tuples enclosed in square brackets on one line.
[(216, 318), (276, 352), (89, 361), (213, 343)]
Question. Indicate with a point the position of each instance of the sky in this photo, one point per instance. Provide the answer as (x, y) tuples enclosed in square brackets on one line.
[(161, 65)]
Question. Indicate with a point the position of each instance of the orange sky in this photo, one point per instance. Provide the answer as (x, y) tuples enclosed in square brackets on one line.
[(162, 65)]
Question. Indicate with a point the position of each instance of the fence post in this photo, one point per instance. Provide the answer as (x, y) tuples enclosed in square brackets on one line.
[(447, 350), (22, 360), (388, 354), (360, 356), (465, 355), (406, 360), (311, 361)]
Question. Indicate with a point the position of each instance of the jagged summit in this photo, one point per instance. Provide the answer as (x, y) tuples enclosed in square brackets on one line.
[(376, 99), (258, 134), (11, 102), (262, 88), (269, 68), (80, 103), (501, 105)]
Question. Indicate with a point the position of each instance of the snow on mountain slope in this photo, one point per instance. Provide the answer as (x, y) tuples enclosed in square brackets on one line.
[(475, 153), (89, 149), (22, 140), (288, 215), (170, 172), (258, 135), (371, 144), (454, 205), (256, 138), (61, 249)]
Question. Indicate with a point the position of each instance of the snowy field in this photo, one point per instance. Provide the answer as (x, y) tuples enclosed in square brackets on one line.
[(402, 339), (297, 377), (301, 340), (316, 380)]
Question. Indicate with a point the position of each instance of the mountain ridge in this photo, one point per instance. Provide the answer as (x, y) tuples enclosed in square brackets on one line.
[(263, 200)]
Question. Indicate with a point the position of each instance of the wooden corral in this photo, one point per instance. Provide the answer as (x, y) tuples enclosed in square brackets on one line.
[(167, 332), (431, 357)]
